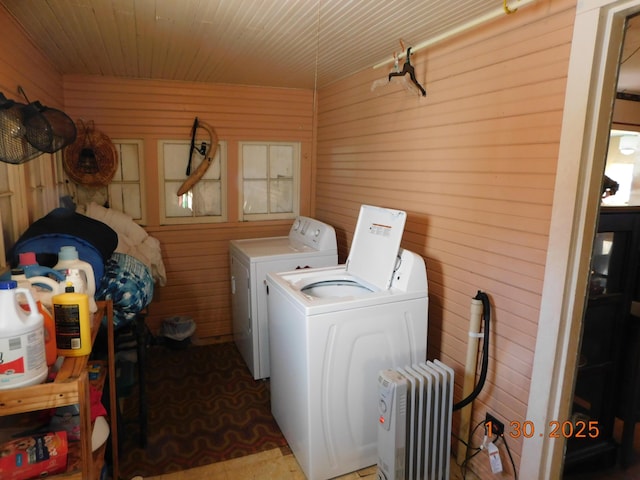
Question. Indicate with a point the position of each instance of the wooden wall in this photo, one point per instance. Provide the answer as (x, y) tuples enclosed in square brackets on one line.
[(196, 256), (22, 64), (473, 163)]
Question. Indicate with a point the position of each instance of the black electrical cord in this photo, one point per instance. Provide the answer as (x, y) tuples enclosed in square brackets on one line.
[(486, 315), (513, 464), (464, 465)]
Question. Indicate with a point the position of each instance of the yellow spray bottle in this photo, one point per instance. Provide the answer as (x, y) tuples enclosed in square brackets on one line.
[(73, 323)]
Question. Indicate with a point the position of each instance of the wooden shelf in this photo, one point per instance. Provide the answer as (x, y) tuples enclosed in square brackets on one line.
[(71, 387)]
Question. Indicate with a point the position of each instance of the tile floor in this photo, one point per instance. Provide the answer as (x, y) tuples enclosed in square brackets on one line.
[(271, 465)]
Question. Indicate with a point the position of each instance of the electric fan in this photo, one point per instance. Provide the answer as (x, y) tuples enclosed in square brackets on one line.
[(14, 147), (48, 129)]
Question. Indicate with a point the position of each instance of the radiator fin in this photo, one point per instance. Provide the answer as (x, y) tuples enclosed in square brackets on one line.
[(414, 430)]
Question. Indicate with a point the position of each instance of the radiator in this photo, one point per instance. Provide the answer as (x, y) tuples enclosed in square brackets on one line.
[(414, 429)]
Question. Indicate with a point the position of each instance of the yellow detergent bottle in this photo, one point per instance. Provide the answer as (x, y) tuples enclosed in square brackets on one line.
[(73, 323)]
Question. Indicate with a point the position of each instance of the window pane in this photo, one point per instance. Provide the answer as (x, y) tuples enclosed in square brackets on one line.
[(128, 165), (116, 197), (255, 197), (176, 157), (177, 206), (281, 161), (254, 161), (126, 198), (86, 195), (133, 200), (207, 198), (281, 196), (213, 172)]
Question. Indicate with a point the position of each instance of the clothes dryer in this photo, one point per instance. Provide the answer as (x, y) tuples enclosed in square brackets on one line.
[(310, 243), (331, 331)]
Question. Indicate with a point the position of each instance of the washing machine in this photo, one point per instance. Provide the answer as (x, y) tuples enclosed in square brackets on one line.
[(331, 330), (310, 243)]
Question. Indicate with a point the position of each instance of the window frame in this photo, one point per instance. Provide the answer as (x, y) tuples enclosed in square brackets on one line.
[(141, 174), (295, 176), (221, 153)]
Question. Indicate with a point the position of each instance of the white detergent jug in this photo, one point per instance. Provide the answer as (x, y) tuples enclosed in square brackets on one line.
[(22, 343), (42, 288), (78, 272)]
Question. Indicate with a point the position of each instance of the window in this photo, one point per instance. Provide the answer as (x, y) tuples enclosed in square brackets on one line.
[(270, 180), (126, 190), (205, 201)]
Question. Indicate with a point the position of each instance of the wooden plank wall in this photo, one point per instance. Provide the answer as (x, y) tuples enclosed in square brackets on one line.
[(196, 256), (474, 165), (22, 64)]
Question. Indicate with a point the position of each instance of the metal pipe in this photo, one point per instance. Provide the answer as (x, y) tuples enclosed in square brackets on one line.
[(475, 320), (460, 29)]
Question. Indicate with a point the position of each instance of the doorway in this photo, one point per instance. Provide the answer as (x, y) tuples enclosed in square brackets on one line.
[(591, 84), (605, 389)]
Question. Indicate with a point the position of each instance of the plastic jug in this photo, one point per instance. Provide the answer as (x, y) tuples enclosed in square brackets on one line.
[(42, 288), (22, 343), (73, 325), (50, 348), (27, 262), (78, 272)]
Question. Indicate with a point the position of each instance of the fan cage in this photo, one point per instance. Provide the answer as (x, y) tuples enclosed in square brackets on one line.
[(48, 129), (14, 146)]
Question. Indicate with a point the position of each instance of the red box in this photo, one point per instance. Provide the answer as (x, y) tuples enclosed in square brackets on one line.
[(34, 456)]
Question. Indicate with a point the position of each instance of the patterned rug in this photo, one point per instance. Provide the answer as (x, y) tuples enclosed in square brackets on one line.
[(203, 407)]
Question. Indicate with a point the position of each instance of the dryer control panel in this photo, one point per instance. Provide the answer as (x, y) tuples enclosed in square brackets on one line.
[(312, 233)]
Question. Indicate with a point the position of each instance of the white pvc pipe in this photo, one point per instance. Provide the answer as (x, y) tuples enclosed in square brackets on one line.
[(460, 29), (475, 320)]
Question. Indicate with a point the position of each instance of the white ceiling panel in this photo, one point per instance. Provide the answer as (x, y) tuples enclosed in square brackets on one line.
[(284, 43)]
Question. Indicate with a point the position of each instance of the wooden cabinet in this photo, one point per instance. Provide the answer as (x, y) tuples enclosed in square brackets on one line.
[(71, 387)]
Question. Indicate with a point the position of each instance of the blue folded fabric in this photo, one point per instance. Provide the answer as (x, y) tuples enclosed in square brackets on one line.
[(128, 283)]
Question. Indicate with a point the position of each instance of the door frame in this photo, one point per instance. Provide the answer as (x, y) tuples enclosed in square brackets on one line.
[(590, 94)]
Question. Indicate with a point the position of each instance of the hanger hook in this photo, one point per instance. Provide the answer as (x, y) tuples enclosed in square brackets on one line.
[(507, 9)]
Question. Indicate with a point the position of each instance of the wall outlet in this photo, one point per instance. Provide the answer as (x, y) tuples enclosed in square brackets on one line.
[(493, 426)]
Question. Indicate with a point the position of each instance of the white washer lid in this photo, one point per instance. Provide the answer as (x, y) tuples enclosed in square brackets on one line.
[(376, 242)]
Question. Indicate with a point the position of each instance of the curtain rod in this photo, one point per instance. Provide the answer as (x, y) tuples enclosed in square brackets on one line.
[(460, 29)]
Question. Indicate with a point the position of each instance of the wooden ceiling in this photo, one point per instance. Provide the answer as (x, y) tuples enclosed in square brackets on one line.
[(282, 43)]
